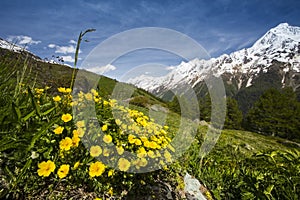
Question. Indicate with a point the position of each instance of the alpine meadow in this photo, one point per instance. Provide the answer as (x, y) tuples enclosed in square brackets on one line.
[(151, 100)]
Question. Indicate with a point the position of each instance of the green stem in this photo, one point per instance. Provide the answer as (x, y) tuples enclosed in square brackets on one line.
[(76, 54)]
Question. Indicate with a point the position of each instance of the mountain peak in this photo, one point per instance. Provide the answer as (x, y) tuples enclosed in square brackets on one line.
[(282, 25), (280, 44), (279, 36), (286, 29)]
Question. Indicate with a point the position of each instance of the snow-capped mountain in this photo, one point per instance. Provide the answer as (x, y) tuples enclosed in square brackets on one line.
[(279, 48), (10, 46), (15, 48), (4, 44)]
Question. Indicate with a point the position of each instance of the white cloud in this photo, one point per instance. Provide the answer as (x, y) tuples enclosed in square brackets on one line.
[(102, 70), (51, 46), (170, 68), (64, 49), (72, 42), (22, 40), (68, 59)]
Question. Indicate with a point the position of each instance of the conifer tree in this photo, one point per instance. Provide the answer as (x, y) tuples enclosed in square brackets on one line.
[(234, 116), (276, 113)]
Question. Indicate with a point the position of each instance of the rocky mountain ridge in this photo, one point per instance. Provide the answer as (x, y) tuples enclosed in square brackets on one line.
[(278, 50)]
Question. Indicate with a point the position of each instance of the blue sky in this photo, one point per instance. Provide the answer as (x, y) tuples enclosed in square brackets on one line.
[(221, 26)]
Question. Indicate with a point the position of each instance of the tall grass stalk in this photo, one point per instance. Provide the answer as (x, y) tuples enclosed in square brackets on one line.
[(80, 37)]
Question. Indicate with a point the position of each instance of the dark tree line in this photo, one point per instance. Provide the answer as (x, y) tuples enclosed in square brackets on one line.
[(234, 116), (276, 113)]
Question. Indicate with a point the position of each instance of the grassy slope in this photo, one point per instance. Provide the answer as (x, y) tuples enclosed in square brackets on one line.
[(41, 74), (242, 165), (231, 147), (250, 142)]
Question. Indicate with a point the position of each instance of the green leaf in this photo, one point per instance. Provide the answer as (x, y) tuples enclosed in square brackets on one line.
[(34, 103), (11, 145), (23, 170), (46, 105), (274, 153), (269, 190), (47, 153), (10, 173), (24, 119), (41, 132), (16, 111), (48, 111)]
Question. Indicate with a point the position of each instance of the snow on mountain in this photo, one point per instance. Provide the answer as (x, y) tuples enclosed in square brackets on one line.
[(15, 48), (281, 43), (10, 46)]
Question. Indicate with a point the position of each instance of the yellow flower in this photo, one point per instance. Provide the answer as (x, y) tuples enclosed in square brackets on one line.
[(131, 138), (104, 127), (138, 142), (106, 152), (112, 102), (142, 162), (80, 132), (105, 103), (95, 151), (80, 124), (141, 153), (120, 150), (68, 90), (124, 127), (168, 156), (65, 144), (63, 171), (75, 133), (61, 89), (147, 144), (45, 168), (163, 132), (73, 103), (158, 154), (95, 93), (123, 164), (142, 121), (58, 130), (107, 139), (75, 141), (66, 117), (118, 122), (39, 90), (153, 145), (76, 165), (56, 98), (96, 169), (171, 148), (89, 96), (96, 99), (144, 139), (110, 173), (163, 165), (151, 154), (110, 191)]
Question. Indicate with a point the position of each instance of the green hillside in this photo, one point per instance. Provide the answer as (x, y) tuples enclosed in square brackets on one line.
[(35, 73), (246, 165), (42, 154)]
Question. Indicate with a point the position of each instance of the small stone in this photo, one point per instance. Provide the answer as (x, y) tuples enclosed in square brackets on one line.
[(192, 188)]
